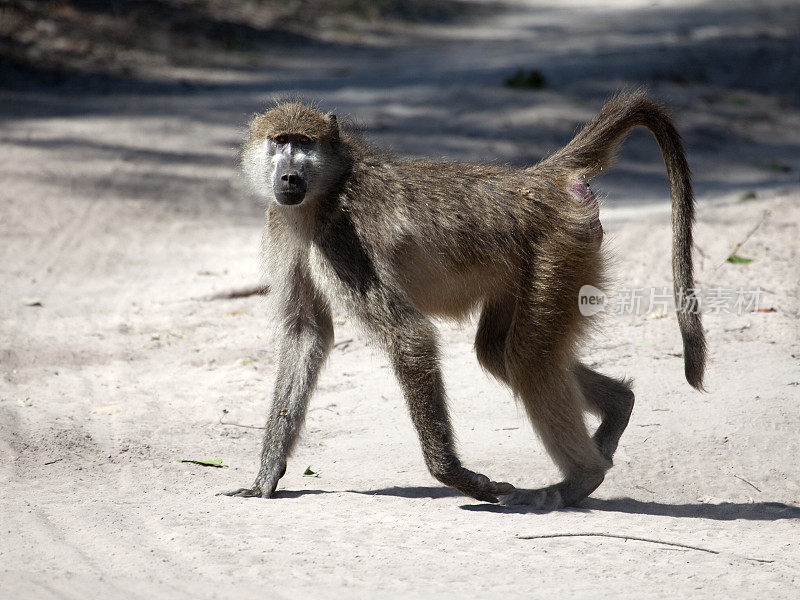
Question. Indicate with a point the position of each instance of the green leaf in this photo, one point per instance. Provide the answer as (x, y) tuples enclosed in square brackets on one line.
[(748, 196), (214, 462), (739, 260), (247, 361), (778, 166), (309, 473)]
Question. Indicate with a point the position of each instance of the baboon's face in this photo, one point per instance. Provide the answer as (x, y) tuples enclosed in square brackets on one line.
[(288, 168), (292, 158)]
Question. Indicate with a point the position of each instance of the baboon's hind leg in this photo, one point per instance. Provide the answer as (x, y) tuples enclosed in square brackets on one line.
[(490, 339), (538, 365), (612, 400)]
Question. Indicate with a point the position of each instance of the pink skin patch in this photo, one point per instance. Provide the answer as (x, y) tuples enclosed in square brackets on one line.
[(580, 190)]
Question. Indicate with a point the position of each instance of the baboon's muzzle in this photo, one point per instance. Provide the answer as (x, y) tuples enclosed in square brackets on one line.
[(290, 188)]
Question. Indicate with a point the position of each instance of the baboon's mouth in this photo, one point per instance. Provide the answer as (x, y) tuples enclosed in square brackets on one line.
[(289, 198)]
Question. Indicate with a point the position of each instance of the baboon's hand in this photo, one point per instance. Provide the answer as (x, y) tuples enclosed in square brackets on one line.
[(474, 484), (265, 483), (251, 492)]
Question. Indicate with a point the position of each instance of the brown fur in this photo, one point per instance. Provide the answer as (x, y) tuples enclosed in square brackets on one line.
[(394, 242), (292, 118)]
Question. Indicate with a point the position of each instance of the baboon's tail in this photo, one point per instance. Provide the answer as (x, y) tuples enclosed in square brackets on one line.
[(593, 149)]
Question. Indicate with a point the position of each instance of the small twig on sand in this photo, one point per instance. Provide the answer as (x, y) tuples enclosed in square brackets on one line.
[(240, 425), (748, 483), (221, 422), (52, 462), (619, 537), (738, 246), (243, 292), (635, 538)]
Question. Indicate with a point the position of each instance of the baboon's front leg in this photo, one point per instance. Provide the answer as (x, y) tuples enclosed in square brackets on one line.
[(304, 347), (411, 341)]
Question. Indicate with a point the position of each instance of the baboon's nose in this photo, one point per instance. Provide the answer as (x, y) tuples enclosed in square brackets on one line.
[(291, 181), (290, 178)]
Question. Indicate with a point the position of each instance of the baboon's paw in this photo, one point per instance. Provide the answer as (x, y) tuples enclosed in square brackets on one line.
[(254, 492), (566, 493), (476, 485), (548, 498), (265, 484)]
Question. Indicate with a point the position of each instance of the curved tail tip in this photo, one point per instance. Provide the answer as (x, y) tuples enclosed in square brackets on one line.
[(695, 379), (694, 356)]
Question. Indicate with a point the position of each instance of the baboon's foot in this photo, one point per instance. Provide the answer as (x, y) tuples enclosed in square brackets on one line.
[(251, 492), (264, 485), (548, 498), (560, 495), (474, 484)]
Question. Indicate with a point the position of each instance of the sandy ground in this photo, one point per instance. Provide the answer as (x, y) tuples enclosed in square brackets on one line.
[(120, 212)]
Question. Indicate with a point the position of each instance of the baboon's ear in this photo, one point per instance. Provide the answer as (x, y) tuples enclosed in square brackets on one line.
[(334, 127)]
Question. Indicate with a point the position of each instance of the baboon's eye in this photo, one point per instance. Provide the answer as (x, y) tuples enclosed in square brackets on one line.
[(292, 138)]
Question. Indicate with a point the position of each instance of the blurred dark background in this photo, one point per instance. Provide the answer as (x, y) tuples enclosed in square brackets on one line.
[(504, 80), (90, 43), (84, 42)]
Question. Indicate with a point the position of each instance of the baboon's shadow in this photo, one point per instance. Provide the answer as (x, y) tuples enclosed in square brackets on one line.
[(413, 492), (399, 492), (724, 511)]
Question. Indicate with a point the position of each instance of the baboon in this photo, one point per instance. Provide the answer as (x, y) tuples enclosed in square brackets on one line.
[(392, 242)]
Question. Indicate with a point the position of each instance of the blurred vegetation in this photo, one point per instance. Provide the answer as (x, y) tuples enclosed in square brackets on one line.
[(56, 39), (526, 79)]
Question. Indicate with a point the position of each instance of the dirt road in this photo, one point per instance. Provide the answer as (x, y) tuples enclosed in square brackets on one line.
[(121, 210)]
